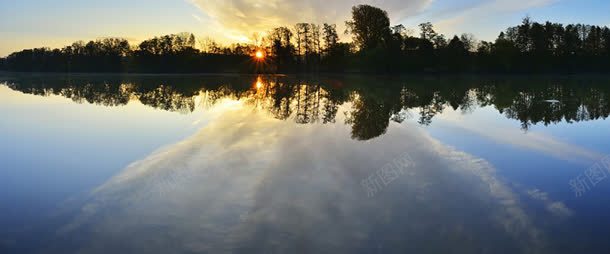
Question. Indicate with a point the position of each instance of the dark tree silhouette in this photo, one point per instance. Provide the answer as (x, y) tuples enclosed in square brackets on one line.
[(369, 26), (377, 47), (282, 48)]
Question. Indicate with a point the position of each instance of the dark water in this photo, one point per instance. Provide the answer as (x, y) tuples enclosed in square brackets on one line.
[(286, 164)]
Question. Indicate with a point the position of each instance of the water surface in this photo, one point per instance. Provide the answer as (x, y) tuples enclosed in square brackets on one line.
[(289, 164)]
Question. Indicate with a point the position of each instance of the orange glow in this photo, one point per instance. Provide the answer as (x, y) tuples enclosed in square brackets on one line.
[(259, 83), (259, 55)]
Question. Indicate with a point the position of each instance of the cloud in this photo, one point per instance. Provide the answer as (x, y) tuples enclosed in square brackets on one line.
[(485, 123), (556, 208), (250, 181), (196, 17), (488, 11), (509, 5), (244, 17)]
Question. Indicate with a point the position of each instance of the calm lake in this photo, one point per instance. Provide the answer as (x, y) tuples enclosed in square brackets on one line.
[(290, 164)]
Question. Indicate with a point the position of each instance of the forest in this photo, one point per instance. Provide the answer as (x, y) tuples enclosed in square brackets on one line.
[(376, 46)]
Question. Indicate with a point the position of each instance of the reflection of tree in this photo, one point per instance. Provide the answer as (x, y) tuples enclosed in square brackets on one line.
[(553, 104), (104, 94), (369, 119), (164, 97), (111, 92), (305, 101), (374, 102), (330, 111)]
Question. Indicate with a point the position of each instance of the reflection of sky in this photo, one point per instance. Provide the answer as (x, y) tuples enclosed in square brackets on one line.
[(543, 158), (52, 147), (236, 179), (248, 183), (488, 122)]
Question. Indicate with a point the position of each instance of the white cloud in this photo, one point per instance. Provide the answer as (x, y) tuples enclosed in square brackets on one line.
[(487, 11), (245, 172), (485, 123), (244, 17), (554, 207), (196, 17), (511, 5)]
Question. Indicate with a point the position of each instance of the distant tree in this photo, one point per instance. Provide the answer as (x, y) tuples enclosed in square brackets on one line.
[(336, 54), (593, 41), (505, 51), (484, 47), (369, 26), (538, 39), (606, 40), (281, 48), (522, 37), (304, 38), (209, 46), (455, 55), (440, 41), (331, 37), (400, 30), (457, 46), (427, 31), (338, 57), (376, 47), (470, 42), (308, 43)]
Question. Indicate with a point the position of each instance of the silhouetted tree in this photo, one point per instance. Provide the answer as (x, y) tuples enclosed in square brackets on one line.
[(369, 26), (427, 31), (455, 55), (470, 42), (282, 48), (331, 38), (308, 41), (530, 47)]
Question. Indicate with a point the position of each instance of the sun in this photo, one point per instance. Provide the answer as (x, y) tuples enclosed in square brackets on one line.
[(259, 55)]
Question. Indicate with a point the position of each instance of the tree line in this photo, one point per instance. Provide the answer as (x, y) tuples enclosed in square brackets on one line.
[(368, 103), (376, 47)]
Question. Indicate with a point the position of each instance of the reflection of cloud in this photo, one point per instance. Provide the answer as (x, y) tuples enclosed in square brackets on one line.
[(243, 17), (510, 214), (555, 207), (489, 126), (247, 183)]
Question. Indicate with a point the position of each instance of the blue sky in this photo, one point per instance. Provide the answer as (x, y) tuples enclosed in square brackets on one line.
[(54, 23)]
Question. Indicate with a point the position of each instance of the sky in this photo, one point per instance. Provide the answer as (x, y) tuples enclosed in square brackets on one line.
[(56, 23)]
